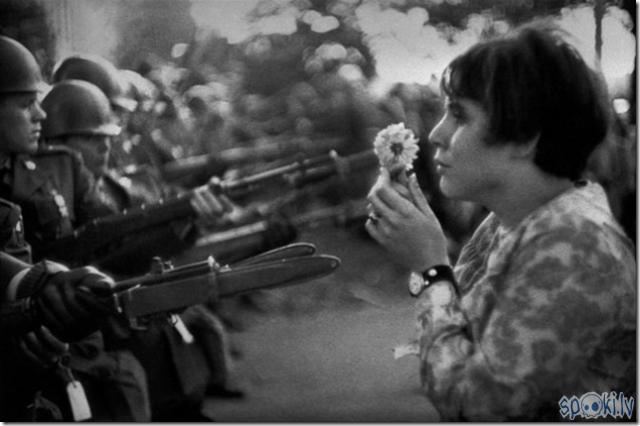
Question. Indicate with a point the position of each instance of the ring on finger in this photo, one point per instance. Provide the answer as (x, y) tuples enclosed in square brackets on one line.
[(374, 218)]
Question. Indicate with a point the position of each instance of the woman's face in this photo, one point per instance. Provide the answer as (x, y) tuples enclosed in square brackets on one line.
[(469, 168), (20, 123)]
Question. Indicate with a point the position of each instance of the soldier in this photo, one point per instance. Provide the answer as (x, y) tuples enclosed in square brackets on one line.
[(78, 116), (41, 310), (128, 149), (54, 191), (80, 119), (66, 314)]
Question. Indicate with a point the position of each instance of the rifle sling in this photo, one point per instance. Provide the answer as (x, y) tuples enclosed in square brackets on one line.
[(286, 252)]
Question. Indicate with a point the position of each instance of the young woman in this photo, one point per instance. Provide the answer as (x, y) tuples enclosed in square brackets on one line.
[(541, 302)]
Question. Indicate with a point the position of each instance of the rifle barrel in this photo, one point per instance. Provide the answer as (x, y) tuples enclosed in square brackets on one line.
[(340, 166), (264, 150), (82, 245)]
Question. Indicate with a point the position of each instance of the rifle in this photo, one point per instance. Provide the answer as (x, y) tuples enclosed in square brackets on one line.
[(168, 290), (300, 172), (193, 169), (84, 244), (231, 244)]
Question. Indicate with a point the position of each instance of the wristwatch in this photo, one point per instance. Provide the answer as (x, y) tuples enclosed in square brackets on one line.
[(418, 281)]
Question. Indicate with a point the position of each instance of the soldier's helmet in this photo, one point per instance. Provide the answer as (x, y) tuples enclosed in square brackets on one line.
[(19, 71), (99, 71), (77, 108)]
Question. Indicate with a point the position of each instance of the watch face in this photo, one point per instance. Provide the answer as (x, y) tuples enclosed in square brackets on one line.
[(416, 284)]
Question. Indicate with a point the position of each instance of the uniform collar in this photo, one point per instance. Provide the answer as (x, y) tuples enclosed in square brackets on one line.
[(5, 163)]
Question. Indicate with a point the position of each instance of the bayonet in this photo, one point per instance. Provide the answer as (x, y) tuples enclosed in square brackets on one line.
[(174, 289)]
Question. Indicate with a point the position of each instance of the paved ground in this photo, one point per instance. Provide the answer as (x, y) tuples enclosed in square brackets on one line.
[(322, 352)]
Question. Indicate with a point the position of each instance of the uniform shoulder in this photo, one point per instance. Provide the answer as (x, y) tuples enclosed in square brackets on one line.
[(46, 149), (53, 154)]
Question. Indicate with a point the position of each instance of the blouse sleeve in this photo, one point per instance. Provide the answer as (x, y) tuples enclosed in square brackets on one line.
[(527, 343)]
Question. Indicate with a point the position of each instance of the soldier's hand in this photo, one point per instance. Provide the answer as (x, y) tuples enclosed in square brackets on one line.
[(208, 206), (72, 304), (42, 347)]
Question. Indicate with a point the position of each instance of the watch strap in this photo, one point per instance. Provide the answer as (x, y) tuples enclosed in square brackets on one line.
[(434, 274), (438, 273)]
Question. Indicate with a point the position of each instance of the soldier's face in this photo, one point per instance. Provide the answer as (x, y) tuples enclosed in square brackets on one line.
[(94, 149), (20, 123)]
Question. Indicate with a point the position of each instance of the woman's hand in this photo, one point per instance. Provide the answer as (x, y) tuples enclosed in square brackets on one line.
[(402, 221)]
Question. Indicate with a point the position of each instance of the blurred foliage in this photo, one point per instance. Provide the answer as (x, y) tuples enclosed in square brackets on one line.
[(150, 28), (26, 21)]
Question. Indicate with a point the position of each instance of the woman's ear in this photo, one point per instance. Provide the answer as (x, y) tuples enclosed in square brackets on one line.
[(526, 149)]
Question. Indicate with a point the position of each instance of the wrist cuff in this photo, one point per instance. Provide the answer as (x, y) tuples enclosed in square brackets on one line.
[(12, 288), (35, 278)]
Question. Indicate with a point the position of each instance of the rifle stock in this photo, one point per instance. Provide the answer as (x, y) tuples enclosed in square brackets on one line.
[(83, 245)]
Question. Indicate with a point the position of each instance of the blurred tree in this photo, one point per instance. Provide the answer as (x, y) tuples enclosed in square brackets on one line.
[(26, 21), (151, 28)]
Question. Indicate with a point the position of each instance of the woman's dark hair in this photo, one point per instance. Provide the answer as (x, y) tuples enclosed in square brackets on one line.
[(533, 83)]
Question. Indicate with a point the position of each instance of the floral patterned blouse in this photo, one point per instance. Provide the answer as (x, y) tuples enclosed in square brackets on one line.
[(547, 309)]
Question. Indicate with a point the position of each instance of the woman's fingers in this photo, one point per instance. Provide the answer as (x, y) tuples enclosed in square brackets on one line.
[(387, 201), (418, 197)]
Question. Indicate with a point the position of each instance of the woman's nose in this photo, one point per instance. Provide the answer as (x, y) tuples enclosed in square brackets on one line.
[(439, 135)]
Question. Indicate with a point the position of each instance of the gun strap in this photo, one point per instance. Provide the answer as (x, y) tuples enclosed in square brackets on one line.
[(285, 252)]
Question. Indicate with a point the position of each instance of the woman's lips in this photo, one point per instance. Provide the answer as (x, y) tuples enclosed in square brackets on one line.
[(441, 167)]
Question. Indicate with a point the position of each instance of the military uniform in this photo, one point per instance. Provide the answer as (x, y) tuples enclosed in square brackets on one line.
[(56, 194), (55, 191), (175, 360), (12, 239), (132, 188)]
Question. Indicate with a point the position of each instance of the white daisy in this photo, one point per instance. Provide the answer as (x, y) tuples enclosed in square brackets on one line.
[(396, 147)]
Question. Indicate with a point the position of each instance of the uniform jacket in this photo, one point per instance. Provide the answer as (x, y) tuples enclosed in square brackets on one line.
[(131, 189), (56, 193), (12, 239)]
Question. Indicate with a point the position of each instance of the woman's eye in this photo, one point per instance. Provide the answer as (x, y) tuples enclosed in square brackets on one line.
[(457, 114)]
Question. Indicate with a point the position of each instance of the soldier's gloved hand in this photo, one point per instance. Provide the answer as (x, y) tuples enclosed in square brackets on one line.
[(280, 231), (208, 206), (42, 347), (72, 304)]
